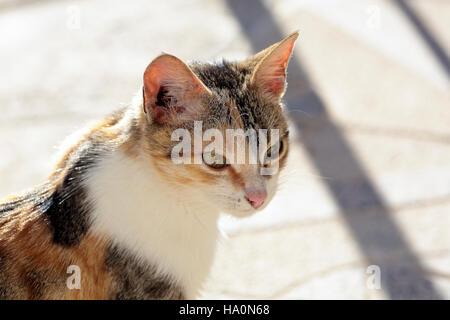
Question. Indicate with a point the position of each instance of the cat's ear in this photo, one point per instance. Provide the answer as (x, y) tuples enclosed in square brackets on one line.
[(269, 73), (172, 92)]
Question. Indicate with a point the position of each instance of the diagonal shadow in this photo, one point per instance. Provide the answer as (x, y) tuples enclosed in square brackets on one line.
[(426, 35), (362, 207)]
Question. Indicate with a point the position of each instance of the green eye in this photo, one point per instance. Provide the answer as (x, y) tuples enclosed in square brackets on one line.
[(214, 160), (276, 147), (280, 147)]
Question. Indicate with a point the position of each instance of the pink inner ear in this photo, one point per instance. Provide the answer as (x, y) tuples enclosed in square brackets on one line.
[(151, 90), (165, 72), (272, 71), (275, 87), (172, 90), (275, 79)]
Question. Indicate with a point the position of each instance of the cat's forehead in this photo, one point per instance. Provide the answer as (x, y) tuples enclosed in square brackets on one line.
[(223, 75), (237, 103)]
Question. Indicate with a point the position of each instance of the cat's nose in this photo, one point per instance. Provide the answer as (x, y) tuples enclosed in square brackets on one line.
[(256, 199)]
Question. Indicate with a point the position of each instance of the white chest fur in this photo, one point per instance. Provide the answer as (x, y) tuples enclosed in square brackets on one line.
[(134, 206)]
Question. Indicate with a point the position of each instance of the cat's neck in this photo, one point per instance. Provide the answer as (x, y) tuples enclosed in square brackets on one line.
[(133, 205)]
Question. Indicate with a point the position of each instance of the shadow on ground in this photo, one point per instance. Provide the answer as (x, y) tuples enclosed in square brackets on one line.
[(362, 207)]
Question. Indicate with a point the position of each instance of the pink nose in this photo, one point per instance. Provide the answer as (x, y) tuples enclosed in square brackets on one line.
[(256, 199)]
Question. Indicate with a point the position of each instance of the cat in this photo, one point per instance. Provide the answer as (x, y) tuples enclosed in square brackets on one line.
[(117, 218)]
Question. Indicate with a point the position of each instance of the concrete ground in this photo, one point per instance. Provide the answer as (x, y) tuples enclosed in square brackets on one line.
[(364, 208)]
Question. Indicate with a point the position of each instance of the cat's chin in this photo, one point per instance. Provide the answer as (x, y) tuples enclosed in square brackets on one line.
[(242, 213), (245, 213)]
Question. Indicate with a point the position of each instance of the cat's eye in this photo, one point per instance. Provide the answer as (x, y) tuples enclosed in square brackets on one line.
[(279, 146), (274, 152), (215, 160)]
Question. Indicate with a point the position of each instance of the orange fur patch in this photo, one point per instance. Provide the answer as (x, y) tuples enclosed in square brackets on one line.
[(32, 261)]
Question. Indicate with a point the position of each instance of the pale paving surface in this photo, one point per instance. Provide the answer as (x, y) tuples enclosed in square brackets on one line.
[(383, 88)]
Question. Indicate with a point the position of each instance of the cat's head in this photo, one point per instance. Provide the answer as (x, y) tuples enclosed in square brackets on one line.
[(207, 125)]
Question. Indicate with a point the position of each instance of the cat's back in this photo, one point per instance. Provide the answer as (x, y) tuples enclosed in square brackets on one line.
[(23, 232), (32, 266)]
